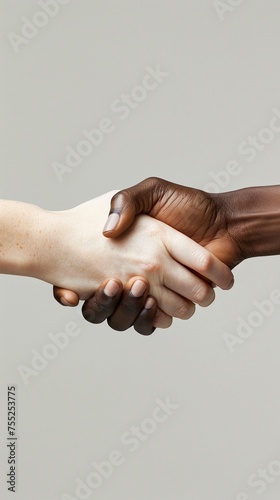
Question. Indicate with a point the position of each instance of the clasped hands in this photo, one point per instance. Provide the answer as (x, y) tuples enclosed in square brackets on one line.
[(160, 264)]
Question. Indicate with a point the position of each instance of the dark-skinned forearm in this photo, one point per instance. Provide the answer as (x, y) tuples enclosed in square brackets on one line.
[(253, 219)]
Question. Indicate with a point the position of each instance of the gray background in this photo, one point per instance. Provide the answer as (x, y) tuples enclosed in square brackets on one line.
[(223, 84)]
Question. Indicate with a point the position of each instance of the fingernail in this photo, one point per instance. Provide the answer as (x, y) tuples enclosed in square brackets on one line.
[(149, 303), (111, 289), (138, 288), (64, 302), (111, 223)]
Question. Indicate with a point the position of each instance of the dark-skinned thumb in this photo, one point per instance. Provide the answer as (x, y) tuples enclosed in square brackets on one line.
[(122, 214)]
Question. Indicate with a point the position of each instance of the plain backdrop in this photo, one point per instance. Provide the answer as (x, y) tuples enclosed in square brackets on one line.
[(223, 85)]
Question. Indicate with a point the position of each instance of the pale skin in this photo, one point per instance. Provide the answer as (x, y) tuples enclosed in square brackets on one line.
[(234, 226), (67, 249)]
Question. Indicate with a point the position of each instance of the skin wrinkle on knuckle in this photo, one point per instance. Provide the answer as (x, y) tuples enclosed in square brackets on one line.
[(151, 184), (204, 262), (202, 293), (121, 201), (127, 201), (132, 305), (224, 284), (184, 311), (99, 306)]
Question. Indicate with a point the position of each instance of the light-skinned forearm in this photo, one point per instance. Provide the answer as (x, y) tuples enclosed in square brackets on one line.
[(21, 238)]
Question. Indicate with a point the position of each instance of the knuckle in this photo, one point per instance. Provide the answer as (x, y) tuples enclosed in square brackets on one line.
[(152, 265), (154, 230), (184, 310), (163, 321), (152, 181), (205, 261), (202, 294), (120, 199), (102, 303), (132, 306), (228, 282)]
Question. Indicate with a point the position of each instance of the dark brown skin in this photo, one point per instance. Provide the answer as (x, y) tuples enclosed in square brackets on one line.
[(195, 213), (131, 312), (234, 226), (121, 310)]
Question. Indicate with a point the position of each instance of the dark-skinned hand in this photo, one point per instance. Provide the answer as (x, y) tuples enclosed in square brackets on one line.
[(202, 216)]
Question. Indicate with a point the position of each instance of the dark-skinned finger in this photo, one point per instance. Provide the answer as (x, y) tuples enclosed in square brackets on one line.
[(128, 203), (104, 301), (131, 304), (144, 324)]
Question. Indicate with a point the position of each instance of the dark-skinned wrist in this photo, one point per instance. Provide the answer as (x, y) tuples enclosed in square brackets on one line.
[(252, 218)]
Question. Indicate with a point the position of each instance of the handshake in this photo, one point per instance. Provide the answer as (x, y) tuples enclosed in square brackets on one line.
[(163, 249)]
